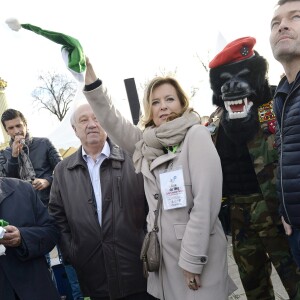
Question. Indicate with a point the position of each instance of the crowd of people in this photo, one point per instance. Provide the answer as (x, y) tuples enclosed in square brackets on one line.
[(169, 173)]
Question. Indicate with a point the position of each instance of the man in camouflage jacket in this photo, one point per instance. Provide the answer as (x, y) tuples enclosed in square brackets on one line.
[(243, 129)]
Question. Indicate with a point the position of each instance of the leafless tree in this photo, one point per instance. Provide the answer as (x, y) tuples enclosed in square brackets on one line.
[(194, 89), (55, 93), (204, 64)]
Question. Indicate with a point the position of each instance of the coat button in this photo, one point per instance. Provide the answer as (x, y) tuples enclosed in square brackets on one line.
[(203, 259), (156, 196)]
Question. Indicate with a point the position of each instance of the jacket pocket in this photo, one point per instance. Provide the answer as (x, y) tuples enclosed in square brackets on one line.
[(179, 230)]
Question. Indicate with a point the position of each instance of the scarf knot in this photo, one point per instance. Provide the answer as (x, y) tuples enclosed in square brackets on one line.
[(26, 170), (156, 138)]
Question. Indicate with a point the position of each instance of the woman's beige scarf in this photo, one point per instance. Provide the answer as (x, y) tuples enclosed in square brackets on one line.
[(156, 138)]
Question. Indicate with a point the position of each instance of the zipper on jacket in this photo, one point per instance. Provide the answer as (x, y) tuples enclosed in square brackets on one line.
[(119, 191), (281, 181)]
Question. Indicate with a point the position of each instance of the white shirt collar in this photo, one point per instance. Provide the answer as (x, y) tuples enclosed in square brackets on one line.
[(105, 151)]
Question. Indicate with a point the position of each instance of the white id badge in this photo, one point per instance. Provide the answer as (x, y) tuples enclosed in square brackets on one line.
[(172, 189)]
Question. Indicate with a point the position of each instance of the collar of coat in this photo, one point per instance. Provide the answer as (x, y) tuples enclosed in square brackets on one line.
[(116, 154)]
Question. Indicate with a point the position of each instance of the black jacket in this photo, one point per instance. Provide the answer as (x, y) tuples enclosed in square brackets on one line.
[(44, 157), (287, 110), (106, 257), (24, 269)]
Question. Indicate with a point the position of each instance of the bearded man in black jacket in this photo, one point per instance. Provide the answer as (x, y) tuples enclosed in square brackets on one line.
[(32, 159)]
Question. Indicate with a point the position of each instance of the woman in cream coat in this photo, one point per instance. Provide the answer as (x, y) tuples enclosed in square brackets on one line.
[(192, 242)]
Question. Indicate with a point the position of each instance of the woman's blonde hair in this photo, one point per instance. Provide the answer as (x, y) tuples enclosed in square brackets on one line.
[(147, 119)]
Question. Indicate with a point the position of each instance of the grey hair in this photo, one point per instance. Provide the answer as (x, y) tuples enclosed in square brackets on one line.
[(72, 118), (75, 109)]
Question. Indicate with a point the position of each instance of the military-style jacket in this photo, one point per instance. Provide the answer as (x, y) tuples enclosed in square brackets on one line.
[(262, 151)]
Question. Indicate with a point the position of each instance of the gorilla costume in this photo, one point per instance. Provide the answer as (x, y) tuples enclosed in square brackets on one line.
[(243, 128)]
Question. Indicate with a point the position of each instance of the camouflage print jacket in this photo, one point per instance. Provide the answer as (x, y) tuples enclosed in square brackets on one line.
[(262, 151)]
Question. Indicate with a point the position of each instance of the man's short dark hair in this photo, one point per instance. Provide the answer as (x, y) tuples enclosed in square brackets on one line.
[(11, 114)]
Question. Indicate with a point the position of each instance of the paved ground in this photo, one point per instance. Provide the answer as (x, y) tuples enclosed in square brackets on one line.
[(233, 271), (280, 292)]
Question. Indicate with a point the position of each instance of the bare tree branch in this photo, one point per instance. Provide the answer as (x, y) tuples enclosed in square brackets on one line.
[(55, 93), (161, 73)]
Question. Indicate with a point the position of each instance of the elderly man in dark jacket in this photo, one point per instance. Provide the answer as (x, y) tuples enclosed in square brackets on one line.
[(99, 204), (31, 234), (29, 158)]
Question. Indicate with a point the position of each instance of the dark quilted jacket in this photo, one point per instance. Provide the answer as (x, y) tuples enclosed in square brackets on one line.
[(287, 110)]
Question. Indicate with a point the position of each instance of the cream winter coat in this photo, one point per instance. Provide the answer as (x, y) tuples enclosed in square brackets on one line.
[(191, 237)]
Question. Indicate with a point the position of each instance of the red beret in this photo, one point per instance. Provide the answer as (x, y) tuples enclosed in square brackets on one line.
[(237, 50)]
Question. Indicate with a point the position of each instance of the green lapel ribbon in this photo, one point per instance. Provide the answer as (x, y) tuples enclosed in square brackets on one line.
[(172, 148)]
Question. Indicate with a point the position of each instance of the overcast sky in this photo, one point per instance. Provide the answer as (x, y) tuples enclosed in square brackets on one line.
[(124, 39)]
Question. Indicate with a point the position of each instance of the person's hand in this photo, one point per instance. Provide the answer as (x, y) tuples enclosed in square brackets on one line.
[(40, 184), (192, 280), (12, 237), (16, 145), (90, 75), (287, 227)]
